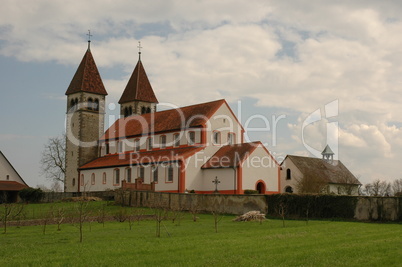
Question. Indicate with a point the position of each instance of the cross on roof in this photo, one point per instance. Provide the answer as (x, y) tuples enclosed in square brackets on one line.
[(139, 49), (89, 38)]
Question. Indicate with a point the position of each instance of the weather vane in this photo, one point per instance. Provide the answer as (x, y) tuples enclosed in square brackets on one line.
[(139, 49), (89, 38)]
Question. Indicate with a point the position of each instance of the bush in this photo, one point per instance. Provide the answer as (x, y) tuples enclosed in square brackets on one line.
[(250, 192), (316, 206), (32, 195)]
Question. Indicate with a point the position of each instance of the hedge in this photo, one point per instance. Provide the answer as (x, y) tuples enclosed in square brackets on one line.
[(312, 206)]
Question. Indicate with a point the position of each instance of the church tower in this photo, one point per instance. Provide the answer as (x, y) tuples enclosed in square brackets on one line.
[(85, 119), (138, 96)]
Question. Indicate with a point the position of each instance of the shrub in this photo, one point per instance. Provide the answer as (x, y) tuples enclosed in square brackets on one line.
[(32, 195), (250, 192)]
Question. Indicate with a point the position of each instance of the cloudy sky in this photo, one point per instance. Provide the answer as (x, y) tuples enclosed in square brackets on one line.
[(293, 71)]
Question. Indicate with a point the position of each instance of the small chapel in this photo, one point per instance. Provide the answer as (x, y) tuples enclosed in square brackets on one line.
[(197, 148)]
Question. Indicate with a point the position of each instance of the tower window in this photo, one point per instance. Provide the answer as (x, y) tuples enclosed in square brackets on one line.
[(96, 105), (230, 138), (73, 181), (148, 110), (130, 111), (125, 112), (143, 110), (90, 103), (150, 143), (8, 177)]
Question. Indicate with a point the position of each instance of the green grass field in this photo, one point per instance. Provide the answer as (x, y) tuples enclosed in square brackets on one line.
[(320, 243)]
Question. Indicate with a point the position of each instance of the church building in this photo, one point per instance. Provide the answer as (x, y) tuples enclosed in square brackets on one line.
[(198, 148)]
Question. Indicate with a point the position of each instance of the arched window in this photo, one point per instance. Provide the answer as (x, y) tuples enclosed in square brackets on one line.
[(288, 189), (126, 112), (82, 180), (143, 110), (73, 181), (148, 110), (130, 111), (163, 141), (107, 148), (142, 172), (93, 178), (170, 173), (231, 138), (216, 138), (288, 174), (104, 178), (116, 176), (149, 143), (191, 138), (155, 173), (128, 175), (137, 145), (72, 103), (176, 139), (90, 103), (96, 105)]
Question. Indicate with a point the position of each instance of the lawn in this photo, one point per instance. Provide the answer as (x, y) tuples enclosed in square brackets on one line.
[(318, 243)]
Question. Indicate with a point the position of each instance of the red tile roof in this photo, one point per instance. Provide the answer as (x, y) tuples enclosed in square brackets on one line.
[(138, 87), (11, 186), (174, 119), (87, 77), (230, 155), (134, 158)]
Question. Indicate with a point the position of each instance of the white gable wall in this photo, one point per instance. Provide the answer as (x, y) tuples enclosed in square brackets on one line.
[(295, 176), (260, 166), (6, 170)]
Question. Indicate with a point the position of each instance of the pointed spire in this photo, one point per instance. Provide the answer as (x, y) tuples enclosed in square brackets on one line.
[(87, 77), (138, 87)]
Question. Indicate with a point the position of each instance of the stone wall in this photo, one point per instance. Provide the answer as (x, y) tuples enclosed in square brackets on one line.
[(58, 196), (230, 204), (365, 208)]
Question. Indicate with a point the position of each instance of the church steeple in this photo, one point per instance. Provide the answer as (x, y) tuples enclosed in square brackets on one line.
[(85, 119), (138, 96)]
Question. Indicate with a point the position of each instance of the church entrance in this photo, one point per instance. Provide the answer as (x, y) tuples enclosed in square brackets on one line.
[(261, 188)]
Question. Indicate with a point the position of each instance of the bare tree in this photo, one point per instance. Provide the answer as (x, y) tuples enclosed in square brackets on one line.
[(397, 187), (378, 188), (53, 159)]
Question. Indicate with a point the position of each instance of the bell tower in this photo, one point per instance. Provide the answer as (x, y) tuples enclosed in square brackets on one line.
[(138, 96), (85, 119)]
